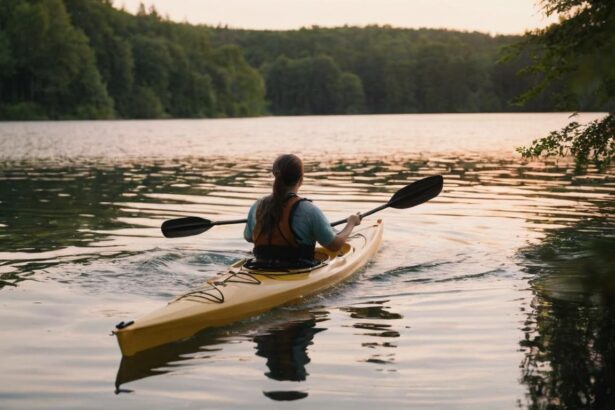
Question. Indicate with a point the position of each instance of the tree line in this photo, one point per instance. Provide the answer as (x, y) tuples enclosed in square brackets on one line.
[(379, 69), (74, 59), (77, 59)]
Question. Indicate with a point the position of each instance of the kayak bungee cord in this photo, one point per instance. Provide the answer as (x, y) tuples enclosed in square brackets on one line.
[(207, 292), (210, 291)]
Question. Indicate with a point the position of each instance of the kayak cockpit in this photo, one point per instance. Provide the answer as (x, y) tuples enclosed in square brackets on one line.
[(322, 257), (326, 254)]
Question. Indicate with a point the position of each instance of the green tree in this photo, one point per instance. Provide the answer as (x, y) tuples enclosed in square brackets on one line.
[(371, 69), (401, 86), (106, 30), (312, 85), (85, 59), (239, 88), (7, 63), (145, 104), (53, 65), (401, 70), (350, 95), (153, 63), (322, 76), (578, 49), (191, 93)]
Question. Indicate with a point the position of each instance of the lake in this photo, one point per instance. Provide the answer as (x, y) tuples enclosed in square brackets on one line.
[(480, 298)]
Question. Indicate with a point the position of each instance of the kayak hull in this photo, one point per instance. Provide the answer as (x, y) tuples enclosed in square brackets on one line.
[(241, 292)]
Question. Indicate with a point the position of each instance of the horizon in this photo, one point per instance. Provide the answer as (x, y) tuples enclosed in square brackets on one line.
[(495, 17)]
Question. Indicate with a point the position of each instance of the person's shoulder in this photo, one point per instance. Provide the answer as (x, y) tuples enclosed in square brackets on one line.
[(306, 203), (256, 204), (308, 207)]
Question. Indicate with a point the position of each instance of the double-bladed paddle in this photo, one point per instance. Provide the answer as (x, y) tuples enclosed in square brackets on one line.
[(411, 195)]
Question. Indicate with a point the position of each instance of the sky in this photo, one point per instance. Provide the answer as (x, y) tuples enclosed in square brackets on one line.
[(489, 16)]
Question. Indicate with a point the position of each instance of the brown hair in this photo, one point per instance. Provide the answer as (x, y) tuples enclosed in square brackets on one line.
[(287, 170)]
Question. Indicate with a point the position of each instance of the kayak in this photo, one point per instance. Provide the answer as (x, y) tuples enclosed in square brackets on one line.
[(242, 291)]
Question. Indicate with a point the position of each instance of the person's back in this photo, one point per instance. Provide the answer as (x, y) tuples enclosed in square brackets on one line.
[(285, 227)]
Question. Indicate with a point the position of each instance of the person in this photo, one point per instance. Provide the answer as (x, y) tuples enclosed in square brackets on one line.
[(285, 227)]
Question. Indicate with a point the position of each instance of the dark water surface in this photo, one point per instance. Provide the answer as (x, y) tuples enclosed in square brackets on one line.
[(496, 294)]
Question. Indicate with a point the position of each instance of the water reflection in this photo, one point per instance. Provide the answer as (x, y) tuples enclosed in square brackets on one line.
[(285, 395), (569, 342), (569, 355), (377, 310), (56, 212), (167, 358), (285, 349), (284, 345), (94, 226)]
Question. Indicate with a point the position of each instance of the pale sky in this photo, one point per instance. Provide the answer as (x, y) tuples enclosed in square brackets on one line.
[(490, 16)]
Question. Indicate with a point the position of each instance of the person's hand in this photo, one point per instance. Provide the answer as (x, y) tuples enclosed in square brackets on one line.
[(354, 219)]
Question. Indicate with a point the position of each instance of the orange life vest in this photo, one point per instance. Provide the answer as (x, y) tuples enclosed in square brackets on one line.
[(281, 245)]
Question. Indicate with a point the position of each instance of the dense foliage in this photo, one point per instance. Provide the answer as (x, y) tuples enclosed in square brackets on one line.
[(85, 59), (593, 142), (396, 70), (578, 50)]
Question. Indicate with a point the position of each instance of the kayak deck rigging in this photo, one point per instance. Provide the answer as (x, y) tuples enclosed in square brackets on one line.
[(210, 291)]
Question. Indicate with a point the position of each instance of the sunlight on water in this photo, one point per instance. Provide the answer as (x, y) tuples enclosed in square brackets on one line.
[(449, 314)]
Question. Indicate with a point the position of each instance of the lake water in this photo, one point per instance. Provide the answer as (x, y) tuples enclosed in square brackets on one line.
[(479, 298)]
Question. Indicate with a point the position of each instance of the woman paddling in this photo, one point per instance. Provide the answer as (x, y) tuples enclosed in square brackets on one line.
[(285, 227)]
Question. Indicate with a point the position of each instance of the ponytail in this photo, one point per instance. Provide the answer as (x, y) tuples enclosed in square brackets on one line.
[(287, 170)]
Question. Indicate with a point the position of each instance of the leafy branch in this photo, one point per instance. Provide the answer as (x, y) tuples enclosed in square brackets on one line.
[(579, 50), (593, 142)]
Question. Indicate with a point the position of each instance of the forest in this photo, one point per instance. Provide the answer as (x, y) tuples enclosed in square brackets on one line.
[(78, 59), (86, 59)]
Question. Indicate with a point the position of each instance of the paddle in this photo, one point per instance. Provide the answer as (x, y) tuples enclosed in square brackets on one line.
[(411, 195), (192, 225)]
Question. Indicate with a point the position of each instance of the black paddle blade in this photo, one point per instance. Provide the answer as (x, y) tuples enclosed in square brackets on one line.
[(191, 225), (417, 193)]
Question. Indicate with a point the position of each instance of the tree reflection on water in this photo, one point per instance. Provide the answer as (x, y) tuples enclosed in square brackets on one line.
[(569, 340)]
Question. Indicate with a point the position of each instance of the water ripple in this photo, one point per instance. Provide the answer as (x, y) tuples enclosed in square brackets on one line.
[(443, 316)]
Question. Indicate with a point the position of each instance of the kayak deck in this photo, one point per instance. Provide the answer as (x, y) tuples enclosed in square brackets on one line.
[(241, 292)]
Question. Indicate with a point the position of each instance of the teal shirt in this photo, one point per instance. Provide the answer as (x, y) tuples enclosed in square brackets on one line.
[(309, 224)]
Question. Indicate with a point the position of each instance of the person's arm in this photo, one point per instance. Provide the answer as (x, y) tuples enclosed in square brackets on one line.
[(322, 231), (340, 238), (247, 232)]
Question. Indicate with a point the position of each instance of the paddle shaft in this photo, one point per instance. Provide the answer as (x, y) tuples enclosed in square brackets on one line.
[(368, 213), (230, 222), (341, 221)]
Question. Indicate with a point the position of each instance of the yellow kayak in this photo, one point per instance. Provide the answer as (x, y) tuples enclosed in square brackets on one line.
[(241, 292)]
